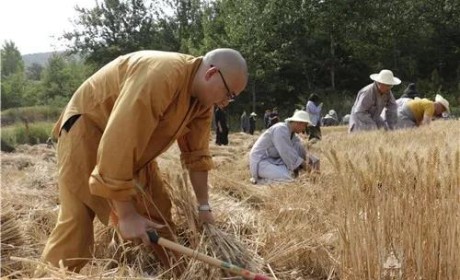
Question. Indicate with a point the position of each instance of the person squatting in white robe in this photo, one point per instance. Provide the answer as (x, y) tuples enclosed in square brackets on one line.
[(278, 153)]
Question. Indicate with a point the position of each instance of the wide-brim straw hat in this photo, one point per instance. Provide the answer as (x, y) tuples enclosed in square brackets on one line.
[(299, 116), (443, 102), (385, 77)]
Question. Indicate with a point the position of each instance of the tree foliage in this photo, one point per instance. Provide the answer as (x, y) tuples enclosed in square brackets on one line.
[(12, 62), (13, 81), (34, 72), (52, 84), (61, 78), (293, 47), (113, 28), (13, 90)]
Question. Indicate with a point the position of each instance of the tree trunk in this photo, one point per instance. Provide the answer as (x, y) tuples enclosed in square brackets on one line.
[(332, 66)]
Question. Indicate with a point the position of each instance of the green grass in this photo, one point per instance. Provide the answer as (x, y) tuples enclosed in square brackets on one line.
[(30, 114), (33, 133)]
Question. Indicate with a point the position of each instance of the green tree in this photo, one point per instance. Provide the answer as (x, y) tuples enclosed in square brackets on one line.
[(113, 28), (274, 37), (32, 93), (13, 90), (12, 62), (292, 47), (441, 40), (188, 15), (13, 81), (34, 72), (61, 78)]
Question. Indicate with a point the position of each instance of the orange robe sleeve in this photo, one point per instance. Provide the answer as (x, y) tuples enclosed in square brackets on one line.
[(194, 145), (145, 93)]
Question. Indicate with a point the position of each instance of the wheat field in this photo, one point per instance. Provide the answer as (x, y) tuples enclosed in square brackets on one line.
[(385, 206)]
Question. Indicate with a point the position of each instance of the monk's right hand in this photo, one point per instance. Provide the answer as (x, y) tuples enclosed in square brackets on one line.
[(132, 225)]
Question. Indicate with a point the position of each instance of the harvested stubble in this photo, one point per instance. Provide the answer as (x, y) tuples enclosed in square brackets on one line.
[(368, 208), (12, 239), (212, 240), (300, 241), (25, 206), (242, 193)]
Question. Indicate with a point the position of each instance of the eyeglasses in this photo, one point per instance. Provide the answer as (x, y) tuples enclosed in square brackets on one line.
[(230, 95)]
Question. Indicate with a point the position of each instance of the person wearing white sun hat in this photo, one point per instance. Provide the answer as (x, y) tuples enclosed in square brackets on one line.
[(278, 153), (419, 112), (371, 100)]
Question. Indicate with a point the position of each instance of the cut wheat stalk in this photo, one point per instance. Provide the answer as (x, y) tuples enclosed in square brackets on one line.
[(154, 238), (216, 241)]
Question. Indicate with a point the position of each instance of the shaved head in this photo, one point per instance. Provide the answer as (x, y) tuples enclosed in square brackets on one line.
[(230, 61), (221, 77)]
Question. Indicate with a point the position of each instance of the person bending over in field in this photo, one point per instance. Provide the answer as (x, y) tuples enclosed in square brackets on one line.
[(417, 112), (278, 153), (365, 114), (112, 130)]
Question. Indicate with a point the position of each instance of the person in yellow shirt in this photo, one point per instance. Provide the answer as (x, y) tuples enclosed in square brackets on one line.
[(115, 125), (419, 112)]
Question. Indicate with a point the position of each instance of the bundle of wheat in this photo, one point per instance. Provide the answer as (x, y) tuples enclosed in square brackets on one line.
[(213, 240), (123, 257), (39, 223), (228, 248), (12, 239), (251, 195)]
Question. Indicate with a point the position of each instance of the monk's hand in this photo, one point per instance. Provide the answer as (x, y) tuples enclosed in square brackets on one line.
[(132, 225), (205, 217), (135, 226)]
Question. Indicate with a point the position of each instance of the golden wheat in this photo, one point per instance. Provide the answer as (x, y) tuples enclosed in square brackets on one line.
[(385, 206)]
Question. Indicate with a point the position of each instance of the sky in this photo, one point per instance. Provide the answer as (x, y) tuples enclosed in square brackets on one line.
[(35, 25)]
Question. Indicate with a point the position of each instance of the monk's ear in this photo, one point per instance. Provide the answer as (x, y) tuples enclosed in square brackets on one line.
[(210, 72)]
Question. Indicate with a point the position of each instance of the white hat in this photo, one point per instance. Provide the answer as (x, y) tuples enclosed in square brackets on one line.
[(299, 116), (385, 77), (443, 102), (253, 114)]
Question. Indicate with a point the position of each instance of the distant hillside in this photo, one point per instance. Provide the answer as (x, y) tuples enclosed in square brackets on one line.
[(39, 58), (42, 58)]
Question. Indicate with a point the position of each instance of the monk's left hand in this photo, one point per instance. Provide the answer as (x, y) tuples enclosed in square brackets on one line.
[(206, 217)]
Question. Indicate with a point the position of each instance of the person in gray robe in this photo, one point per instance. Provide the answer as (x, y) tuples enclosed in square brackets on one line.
[(244, 122), (330, 119), (370, 102), (278, 154)]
